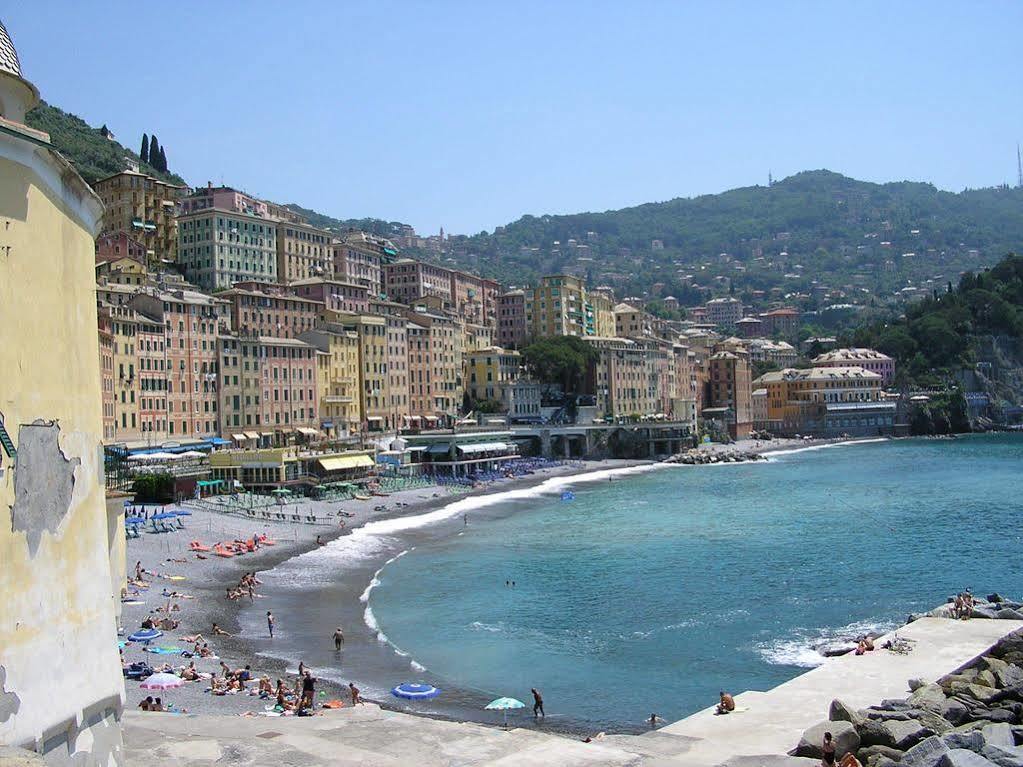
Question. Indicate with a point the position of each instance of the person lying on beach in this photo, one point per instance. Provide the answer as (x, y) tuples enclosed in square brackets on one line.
[(147, 622), (193, 639), (219, 632), (727, 704), (189, 673), (166, 624)]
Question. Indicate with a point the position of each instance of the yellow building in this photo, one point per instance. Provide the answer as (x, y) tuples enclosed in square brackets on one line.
[(488, 372), (556, 307), (145, 208), (303, 251), (61, 550), (337, 362), (602, 305)]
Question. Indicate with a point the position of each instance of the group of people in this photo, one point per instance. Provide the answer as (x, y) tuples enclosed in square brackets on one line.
[(246, 586), (962, 606)]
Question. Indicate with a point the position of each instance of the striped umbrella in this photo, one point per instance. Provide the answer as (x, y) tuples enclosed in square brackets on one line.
[(162, 682)]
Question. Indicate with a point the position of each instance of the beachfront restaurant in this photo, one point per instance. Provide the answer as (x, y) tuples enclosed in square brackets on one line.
[(290, 468), (462, 455)]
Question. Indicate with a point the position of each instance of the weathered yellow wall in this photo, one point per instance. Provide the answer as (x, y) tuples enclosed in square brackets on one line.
[(58, 643)]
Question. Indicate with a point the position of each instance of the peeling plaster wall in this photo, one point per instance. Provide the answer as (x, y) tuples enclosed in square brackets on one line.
[(57, 604)]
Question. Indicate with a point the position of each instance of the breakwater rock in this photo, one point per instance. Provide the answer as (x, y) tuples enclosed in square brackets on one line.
[(700, 457), (970, 718)]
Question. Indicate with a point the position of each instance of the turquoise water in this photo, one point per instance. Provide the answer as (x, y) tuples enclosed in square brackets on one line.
[(653, 592)]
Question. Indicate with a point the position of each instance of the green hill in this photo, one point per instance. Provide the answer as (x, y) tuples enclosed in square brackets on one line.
[(373, 225), (830, 225), (93, 155)]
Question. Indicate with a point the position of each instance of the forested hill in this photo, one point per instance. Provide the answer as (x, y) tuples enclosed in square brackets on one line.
[(373, 225), (818, 216), (92, 154)]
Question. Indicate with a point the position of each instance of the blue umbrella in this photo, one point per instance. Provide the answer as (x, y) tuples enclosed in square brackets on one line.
[(134, 521), (164, 515), (181, 513), (415, 691), (503, 704), (145, 635)]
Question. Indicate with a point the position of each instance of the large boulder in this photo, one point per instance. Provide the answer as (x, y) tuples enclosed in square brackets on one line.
[(986, 679), (874, 733), (908, 734), (960, 757), (971, 741), (984, 611), (866, 752), (978, 692), (927, 753), (1006, 674), (934, 722), (841, 712), (999, 715), (998, 735), (930, 697), (1003, 756), (955, 711), (1008, 614), (844, 734)]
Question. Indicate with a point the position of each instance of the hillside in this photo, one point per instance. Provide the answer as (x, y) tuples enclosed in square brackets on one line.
[(372, 225), (93, 155), (817, 224)]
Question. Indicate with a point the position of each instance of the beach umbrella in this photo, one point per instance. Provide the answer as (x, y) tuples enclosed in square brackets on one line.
[(145, 635), (181, 513), (164, 515), (162, 682), (503, 704), (415, 691), (134, 521)]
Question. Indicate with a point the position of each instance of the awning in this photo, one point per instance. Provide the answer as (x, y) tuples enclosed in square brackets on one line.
[(430, 417), (345, 462), (484, 447), (375, 418), (441, 449), (252, 435), (415, 449), (307, 431), (240, 437)]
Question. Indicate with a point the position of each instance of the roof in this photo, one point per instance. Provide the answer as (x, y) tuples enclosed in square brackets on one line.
[(749, 321), (850, 355), (345, 462), (8, 55), (785, 312)]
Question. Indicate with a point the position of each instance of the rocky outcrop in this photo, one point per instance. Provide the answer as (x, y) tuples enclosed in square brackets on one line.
[(971, 718), (700, 457)]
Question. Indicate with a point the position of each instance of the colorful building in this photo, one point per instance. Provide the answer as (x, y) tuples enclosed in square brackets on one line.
[(339, 386), (144, 207), (868, 359), (489, 372), (730, 388), (303, 251), (270, 310), (406, 281), (512, 330), (334, 294), (359, 257)]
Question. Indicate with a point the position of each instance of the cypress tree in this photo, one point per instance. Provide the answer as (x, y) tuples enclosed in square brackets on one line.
[(144, 154), (163, 159), (154, 152)]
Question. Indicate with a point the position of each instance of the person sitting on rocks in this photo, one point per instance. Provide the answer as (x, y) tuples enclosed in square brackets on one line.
[(727, 703), (849, 760), (828, 751)]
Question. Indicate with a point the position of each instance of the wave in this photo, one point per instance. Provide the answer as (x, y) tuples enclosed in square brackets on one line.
[(847, 443), (805, 649)]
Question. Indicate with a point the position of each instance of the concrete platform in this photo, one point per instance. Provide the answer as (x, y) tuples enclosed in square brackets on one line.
[(777, 718)]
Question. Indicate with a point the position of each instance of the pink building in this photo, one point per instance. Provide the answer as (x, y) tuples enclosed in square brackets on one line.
[(270, 310), (223, 198), (511, 319), (868, 359), (335, 295)]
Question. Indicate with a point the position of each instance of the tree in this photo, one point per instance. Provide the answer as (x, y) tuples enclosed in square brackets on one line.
[(560, 360), (163, 159), (144, 154), (154, 152)]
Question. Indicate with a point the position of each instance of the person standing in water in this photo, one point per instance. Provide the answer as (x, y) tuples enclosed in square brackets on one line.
[(537, 703), (339, 638), (270, 623)]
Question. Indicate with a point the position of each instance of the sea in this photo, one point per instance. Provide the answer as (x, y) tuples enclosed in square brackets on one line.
[(644, 591)]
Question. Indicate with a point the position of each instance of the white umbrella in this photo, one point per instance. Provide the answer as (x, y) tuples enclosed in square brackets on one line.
[(503, 704), (162, 682)]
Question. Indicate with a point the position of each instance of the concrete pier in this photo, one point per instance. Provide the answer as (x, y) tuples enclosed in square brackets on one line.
[(757, 737)]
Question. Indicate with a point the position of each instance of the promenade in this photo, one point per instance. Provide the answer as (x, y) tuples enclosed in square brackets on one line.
[(757, 737)]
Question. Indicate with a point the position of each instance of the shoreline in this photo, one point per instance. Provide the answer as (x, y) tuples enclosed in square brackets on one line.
[(277, 661)]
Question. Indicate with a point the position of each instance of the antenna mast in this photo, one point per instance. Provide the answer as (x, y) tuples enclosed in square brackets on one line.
[(1019, 167)]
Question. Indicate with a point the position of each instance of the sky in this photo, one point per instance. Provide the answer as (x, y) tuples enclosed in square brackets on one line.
[(468, 115)]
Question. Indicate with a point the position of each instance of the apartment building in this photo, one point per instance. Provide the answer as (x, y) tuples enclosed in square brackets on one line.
[(730, 389), (827, 401), (620, 379), (191, 322), (556, 307), (407, 281), (268, 392), (435, 367), (123, 329), (105, 329), (397, 390), (375, 395), (144, 207), (359, 258), (783, 322), (474, 298), (512, 331), (270, 310), (489, 372), (601, 304), (723, 312), (226, 236), (631, 322), (335, 295), (303, 251), (339, 389), (152, 362), (868, 359)]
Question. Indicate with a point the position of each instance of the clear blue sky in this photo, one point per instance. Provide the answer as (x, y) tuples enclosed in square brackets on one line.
[(469, 114)]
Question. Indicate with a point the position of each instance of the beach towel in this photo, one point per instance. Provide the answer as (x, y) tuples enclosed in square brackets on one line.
[(162, 650), (132, 602), (175, 577), (333, 704)]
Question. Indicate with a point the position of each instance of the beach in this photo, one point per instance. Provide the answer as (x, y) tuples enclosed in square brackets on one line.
[(203, 579)]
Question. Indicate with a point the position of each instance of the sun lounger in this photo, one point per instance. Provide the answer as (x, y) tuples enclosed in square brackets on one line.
[(220, 552), (196, 546)]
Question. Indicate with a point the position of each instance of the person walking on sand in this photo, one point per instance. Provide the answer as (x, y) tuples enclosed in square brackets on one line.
[(339, 638), (270, 623), (537, 703), (355, 693)]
